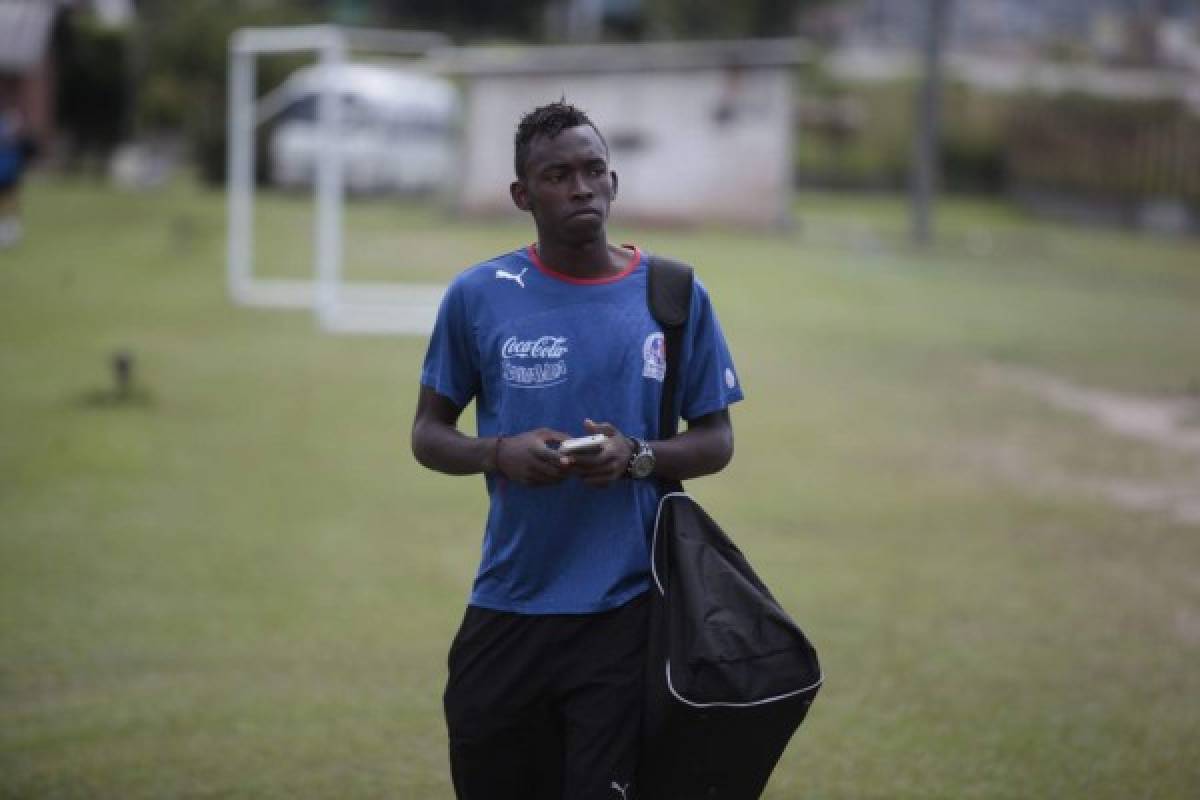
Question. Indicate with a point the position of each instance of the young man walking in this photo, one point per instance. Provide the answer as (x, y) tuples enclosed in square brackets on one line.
[(554, 341)]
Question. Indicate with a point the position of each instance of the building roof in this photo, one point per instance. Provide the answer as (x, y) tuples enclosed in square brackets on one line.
[(24, 33), (607, 58)]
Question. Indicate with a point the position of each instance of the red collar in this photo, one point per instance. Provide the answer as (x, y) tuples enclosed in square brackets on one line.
[(562, 276)]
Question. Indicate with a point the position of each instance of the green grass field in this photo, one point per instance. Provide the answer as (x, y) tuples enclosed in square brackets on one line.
[(241, 585)]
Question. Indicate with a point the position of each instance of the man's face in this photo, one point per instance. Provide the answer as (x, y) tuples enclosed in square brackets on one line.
[(568, 186)]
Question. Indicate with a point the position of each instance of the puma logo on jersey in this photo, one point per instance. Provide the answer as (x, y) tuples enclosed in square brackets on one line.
[(619, 788), (503, 274)]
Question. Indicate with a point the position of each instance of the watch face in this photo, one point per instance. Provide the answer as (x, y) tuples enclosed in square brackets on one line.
[(643, 464)]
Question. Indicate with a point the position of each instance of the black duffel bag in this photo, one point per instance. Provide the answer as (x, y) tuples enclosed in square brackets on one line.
[(729, 675)]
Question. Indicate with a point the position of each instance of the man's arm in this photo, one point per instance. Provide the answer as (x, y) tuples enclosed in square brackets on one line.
[(704, 448), (438, 444)]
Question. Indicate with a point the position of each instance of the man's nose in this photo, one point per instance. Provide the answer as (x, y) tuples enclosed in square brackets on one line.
[(580, 187)]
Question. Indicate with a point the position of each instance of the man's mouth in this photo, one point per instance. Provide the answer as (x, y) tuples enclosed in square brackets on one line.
[(584, 212)]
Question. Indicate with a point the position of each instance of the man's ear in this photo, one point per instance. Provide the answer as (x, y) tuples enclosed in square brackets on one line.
[(614, 180), (520, 195)]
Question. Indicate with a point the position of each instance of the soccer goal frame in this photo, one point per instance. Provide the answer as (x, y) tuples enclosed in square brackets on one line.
[(339, 306)]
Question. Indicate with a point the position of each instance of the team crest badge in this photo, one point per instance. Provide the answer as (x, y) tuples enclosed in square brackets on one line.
[(654, 357)]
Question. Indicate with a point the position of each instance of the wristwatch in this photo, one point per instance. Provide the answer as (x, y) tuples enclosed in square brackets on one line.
[(641, 462)]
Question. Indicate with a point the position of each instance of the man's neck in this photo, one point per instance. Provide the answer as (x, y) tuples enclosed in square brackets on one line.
[(588, 260)]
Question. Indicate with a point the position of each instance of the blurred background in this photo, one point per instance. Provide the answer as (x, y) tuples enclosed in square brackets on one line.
[(1081, 109), (955, 248)]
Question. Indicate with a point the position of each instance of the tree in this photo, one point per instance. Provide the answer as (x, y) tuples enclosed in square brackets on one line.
[(93, 88), (466, 19), (690, 19), (182, 54)]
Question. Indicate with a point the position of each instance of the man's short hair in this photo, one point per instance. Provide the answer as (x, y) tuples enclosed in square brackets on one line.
[(549, 120)]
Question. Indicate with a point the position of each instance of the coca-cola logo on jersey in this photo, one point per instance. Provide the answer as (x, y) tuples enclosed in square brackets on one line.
[(534, 363), (541, 347)]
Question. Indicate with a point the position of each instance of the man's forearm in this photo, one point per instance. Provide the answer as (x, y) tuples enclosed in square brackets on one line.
[(447, 449), (693, 453)]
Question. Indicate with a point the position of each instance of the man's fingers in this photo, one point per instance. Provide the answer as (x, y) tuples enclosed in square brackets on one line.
[(541, 473), (603, 463), (531, 459), (552, 437), (589, 458), (545, 455), (602, 460), (541, 464), (545, 472), (600, 427), (600, 470)]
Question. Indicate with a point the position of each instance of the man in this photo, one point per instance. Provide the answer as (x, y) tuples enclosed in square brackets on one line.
[(554, 341), (16, 147)]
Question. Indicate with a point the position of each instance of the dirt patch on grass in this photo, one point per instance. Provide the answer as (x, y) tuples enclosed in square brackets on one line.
[(1165, 422), (1187, 625)]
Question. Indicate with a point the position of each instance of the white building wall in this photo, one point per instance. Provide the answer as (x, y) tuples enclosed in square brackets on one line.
[(709, 145)]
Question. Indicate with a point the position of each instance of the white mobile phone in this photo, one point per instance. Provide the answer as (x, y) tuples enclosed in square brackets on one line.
[(583, 444)]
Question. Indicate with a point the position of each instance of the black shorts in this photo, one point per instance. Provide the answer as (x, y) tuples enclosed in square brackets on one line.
[(546, 707)]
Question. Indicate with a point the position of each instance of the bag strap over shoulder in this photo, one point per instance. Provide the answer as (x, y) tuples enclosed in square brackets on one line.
[(669, 291), (669, 295)]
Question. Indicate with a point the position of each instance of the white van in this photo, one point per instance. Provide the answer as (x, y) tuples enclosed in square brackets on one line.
[(398, 128)]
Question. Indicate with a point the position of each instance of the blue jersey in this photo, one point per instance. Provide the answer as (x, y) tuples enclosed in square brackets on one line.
[(535, 348), (11, 155)]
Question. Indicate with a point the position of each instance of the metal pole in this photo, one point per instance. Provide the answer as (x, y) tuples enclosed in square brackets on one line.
[(929, 110), (239, 178), (328, 244)]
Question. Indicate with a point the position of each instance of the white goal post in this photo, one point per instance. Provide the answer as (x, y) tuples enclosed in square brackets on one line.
[(339, 305)]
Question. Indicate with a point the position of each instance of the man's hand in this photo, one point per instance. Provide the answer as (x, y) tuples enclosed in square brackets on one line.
[(528, 458), (602, 467)]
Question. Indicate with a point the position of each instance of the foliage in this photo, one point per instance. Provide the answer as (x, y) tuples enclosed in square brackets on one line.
[(871, 148), (1108, 148), (974, 148), (184, 52), (993, 142), (467, 20), (93, 87), (524, 19), (874, 149), (725, 20)]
